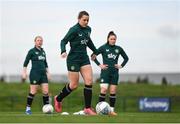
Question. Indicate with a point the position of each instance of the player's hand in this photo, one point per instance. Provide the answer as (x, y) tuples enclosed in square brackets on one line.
[(48, 76), (103, 66), (24, 75), (117, 66), (64, 55), (93, 57)]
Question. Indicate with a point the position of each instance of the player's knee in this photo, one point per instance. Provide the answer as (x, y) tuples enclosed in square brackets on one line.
[(45, 92), (104, 90), (112, 91), (33, 92), (73, 86), (88, 81)]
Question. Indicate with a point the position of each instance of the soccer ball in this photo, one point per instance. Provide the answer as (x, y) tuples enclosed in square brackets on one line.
[(48, 109), (103, 108)]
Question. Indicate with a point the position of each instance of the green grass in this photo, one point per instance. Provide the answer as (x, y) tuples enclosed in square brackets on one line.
[(13, 96), (17, 117), (124, 89), (13, 101), (18, 89)]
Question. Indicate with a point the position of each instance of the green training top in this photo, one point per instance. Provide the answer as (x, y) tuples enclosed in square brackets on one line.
[(38, 59), (110, 54), (79, 38)]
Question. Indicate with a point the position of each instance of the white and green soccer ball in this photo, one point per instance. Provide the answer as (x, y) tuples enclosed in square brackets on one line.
[(48, 109), (103, 108)]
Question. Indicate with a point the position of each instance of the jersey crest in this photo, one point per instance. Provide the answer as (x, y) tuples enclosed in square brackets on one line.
[(116, 51)]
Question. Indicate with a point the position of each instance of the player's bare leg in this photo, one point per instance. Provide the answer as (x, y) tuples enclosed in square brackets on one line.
[(45, 91), (112, 99), (74, 81), (104, 88), (86, 72), (33, 91)]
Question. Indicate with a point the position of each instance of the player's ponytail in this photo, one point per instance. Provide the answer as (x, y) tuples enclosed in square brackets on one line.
[(110, 33)]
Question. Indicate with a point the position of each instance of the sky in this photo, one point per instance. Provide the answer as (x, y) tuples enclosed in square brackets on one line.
[(148, 31)]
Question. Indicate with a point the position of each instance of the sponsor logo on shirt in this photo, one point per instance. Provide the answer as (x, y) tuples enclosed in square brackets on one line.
[(85, 41), (41, 58), (36, 53), (112, 56)]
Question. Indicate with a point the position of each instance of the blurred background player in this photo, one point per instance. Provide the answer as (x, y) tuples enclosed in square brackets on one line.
[(39, 73), (110, 68), (78, 61)]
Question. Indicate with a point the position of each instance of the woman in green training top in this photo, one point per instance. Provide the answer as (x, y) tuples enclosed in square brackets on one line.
[(77, 61), (39, 73), (110, 69)]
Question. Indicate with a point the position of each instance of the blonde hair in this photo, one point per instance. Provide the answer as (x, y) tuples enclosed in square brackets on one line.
[(37, 38)]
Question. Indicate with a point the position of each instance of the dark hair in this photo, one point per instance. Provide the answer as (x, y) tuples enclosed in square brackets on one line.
[(82, 13), (110, 34)]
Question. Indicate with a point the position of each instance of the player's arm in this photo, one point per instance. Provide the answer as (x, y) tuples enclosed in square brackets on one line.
[(47, 69), (45, 62), (99, 51), (125, 57), (26, 62), (48, 73), (69, 36), (90, 44), (93, 55), (102, 66), (24, 73)]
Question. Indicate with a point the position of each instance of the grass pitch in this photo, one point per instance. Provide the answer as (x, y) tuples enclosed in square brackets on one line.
[(13, 100), (37, 117)]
